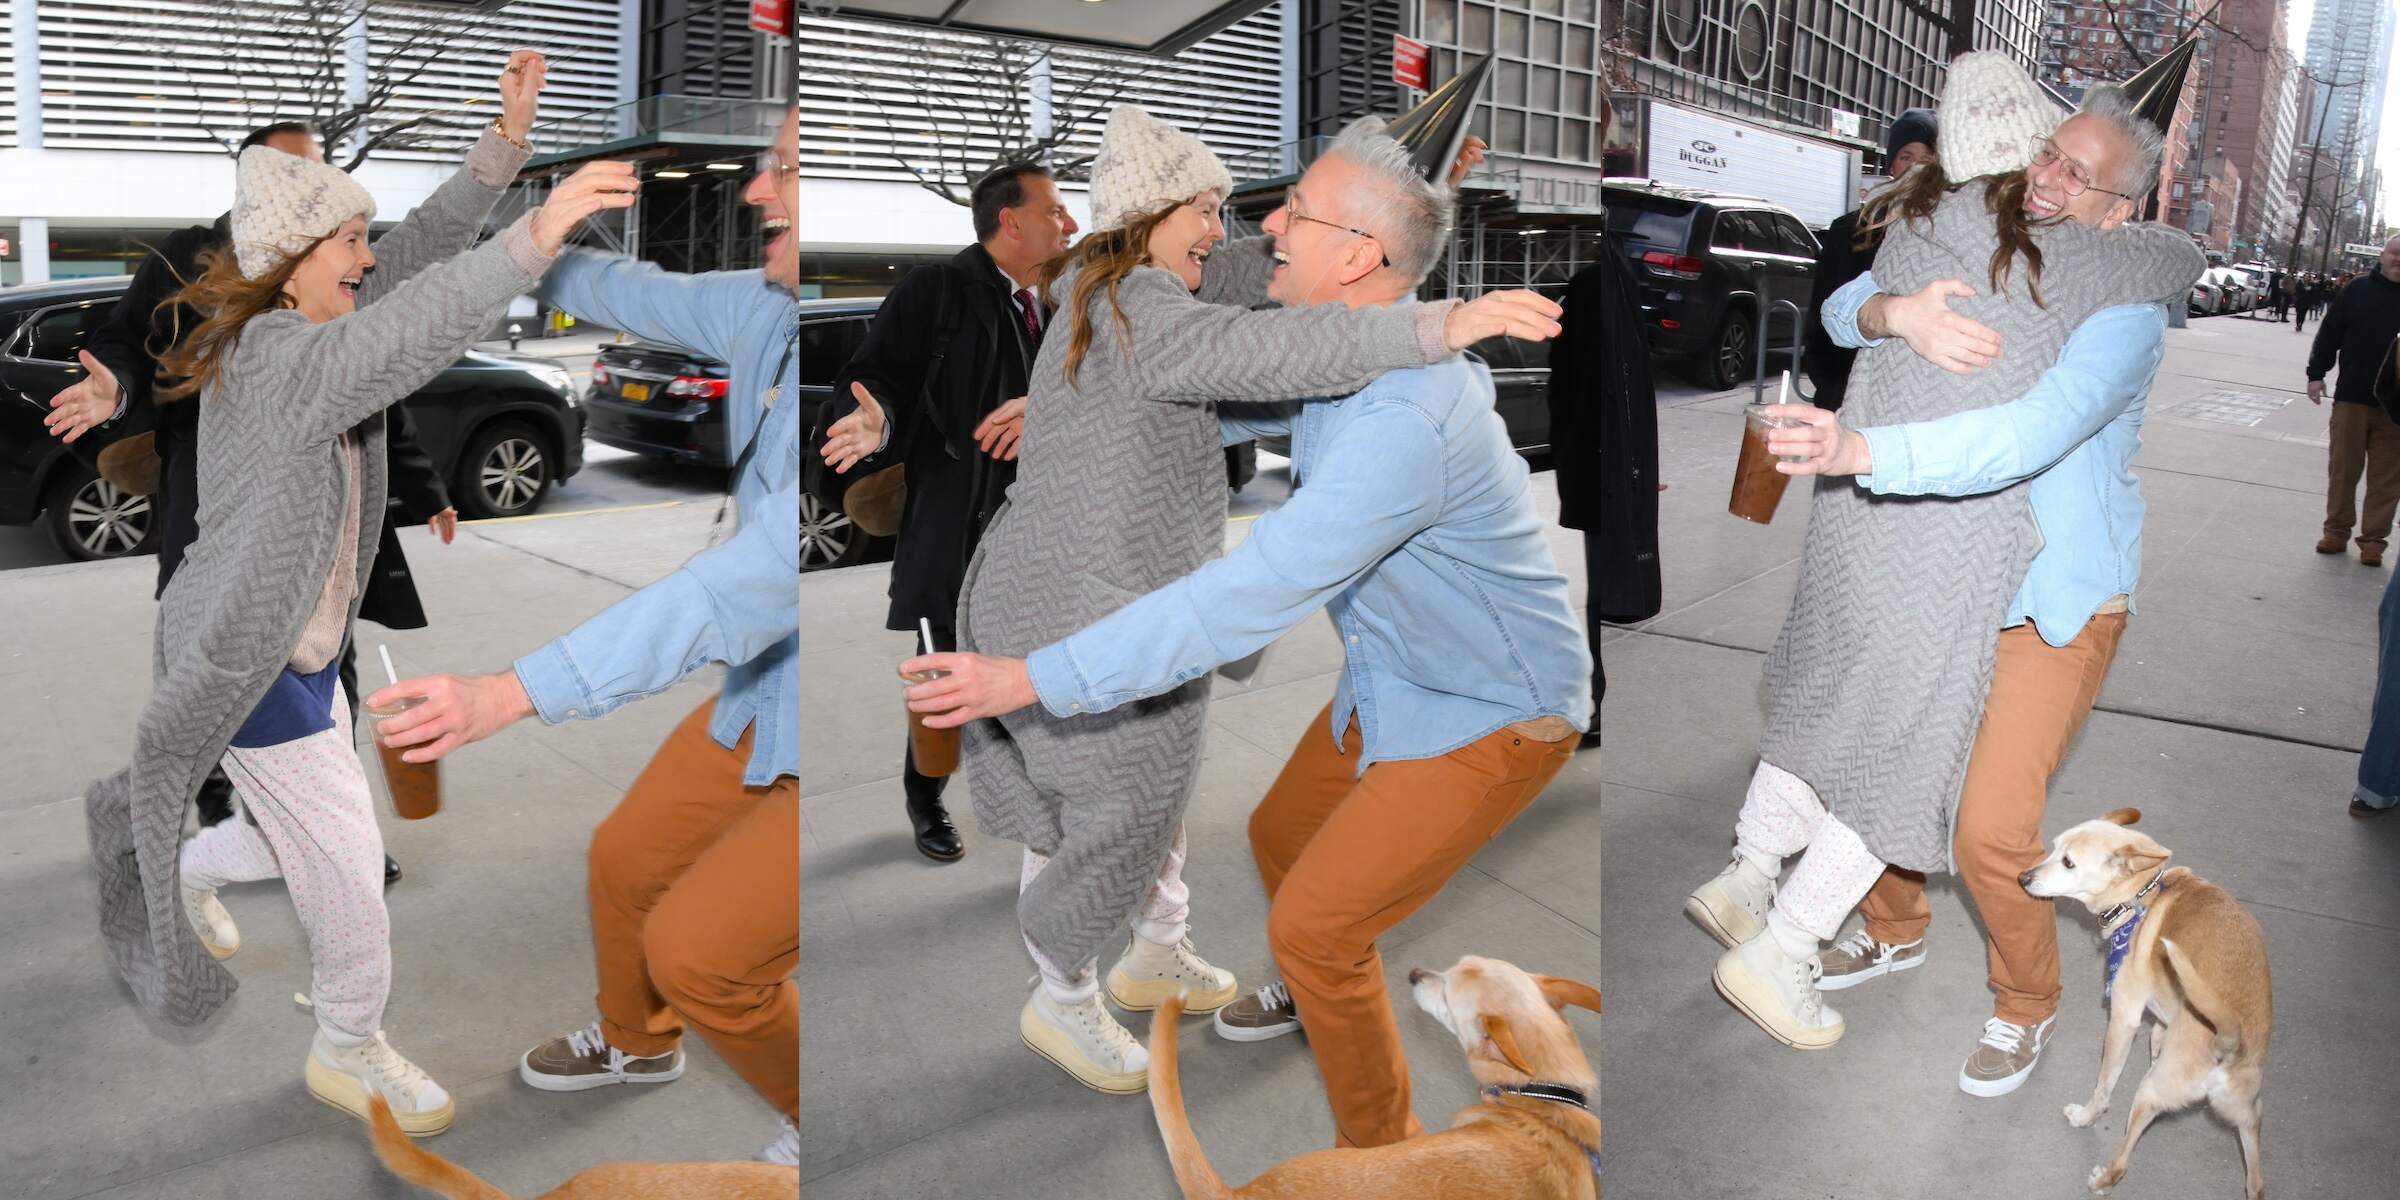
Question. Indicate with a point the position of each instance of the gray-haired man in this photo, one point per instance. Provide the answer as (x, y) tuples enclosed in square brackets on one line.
[(1467, 675)]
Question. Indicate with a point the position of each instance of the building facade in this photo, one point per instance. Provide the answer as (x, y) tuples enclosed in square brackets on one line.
[(2349, 55), (115, 127)]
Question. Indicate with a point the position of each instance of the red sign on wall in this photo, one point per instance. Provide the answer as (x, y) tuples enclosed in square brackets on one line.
[(1409, 64), (772, 17)]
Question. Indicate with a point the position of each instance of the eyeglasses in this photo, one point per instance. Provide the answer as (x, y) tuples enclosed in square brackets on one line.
[(770, 162), (2078, 176), (1291, 204)]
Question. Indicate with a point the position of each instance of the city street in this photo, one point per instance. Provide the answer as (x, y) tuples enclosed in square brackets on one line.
[(2232, 719), (611, 478), (490, 930)]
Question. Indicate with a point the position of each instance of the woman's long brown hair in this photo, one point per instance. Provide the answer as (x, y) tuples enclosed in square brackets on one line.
[(1105, 259), (226, 301), (1914, 198)]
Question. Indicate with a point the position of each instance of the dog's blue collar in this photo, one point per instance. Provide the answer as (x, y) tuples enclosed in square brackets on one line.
[(2127, 919)]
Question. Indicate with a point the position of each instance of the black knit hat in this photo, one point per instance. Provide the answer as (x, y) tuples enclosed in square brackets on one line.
[(1915, 125)]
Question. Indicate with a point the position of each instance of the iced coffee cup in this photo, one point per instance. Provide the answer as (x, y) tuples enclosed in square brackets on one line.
[(416, 787), (1757, 485), (935, 750)]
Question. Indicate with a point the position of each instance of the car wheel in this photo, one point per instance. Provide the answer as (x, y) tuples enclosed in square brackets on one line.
[(1729, 362), (828, 539), (91, 518), (505, 472)]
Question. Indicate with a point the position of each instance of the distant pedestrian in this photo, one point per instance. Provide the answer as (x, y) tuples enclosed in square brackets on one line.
[(1846, 255), (2304, 297), (2277, 295), (2378, 789), (2358, 330)]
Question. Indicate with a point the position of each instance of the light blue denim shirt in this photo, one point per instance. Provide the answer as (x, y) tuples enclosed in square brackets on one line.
[(736, 603), (2074, 434), (1413, 526)]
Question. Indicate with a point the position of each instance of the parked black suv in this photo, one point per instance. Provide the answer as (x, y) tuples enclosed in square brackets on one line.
[(503, 427), (830, 331), (1708, 266)]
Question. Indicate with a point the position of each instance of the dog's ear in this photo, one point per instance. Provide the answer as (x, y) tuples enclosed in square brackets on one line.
[(2142, 858), (1496, 1028), (2124, 816), (1563, 992)]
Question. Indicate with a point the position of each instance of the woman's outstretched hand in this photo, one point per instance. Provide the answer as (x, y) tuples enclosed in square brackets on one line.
[(596, 186), (976, 687), (1518, 314), (521, 87)]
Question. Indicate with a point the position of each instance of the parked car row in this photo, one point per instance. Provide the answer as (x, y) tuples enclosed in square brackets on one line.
[(503, 428)]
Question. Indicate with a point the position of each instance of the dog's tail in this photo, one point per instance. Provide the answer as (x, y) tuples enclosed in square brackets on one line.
[(1199, 1180), (2202, 998), (404, 1158)]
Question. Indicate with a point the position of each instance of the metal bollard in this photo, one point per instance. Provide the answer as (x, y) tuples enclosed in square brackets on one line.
[(515, 331)]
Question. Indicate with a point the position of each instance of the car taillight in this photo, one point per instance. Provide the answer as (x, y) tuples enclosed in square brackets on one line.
[(1669, 323), (1681, 266), (599, 372), (699, 389)]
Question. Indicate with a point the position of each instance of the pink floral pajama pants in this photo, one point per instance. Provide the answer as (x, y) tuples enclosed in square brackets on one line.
[(303, 814)]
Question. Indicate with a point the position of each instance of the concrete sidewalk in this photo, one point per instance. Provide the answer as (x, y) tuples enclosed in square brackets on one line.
[(490, 933), (2232, 718)]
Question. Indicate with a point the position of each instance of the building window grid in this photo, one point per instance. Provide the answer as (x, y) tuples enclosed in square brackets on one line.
[(1548, 60)]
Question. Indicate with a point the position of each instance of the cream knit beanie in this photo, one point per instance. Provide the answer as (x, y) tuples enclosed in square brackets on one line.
[(282, 202), (1146, 164), (1993, 116)]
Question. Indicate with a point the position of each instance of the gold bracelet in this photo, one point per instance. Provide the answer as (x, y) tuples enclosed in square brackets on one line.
[(503, 135)]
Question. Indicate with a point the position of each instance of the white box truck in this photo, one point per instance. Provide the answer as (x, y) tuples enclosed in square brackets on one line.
[(1686, 147)]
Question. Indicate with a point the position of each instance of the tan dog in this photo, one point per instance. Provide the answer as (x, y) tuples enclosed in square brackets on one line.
[(1541, 1143), (622, 1181), (2182, 950)]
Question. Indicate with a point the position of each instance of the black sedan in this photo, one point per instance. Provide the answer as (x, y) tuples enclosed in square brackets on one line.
[(502, 427)]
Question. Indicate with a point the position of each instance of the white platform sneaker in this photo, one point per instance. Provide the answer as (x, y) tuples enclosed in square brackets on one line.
[(344, 1076), (1086, 1042)]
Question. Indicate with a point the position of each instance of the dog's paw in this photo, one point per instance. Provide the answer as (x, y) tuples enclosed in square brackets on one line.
[(2081, 1116), (2101, 1179)]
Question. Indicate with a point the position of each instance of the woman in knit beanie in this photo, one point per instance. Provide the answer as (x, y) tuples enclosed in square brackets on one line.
[(301, 351), (1120, 489), (1879, 677)]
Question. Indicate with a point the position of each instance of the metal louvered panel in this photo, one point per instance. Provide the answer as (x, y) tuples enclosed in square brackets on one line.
[(866, 89), (162, 74)]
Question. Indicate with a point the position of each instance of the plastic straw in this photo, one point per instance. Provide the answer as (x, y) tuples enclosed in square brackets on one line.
[(1783, 395), (386, 651), (925, 627)]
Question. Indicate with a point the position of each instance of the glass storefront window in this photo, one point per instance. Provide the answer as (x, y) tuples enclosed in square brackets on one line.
[(1550, 7), (1579, 48), (1510, 125), (1544, 90), (1512, 34), (1584, 10), (1511, 86), (1545, 41), (1579, 95)]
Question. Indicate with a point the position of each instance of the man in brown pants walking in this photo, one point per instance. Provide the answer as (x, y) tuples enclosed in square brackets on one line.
[(2358, 331)]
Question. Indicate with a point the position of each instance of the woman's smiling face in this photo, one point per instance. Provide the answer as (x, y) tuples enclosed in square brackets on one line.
[(1182, 242)]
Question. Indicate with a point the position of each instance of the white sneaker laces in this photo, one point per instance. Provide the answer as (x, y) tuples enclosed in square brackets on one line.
[(1273, 997), (587, 1041), (1104, 1029), (1806, 973), (396, 1075), (1860, 944), (2002, 1036)]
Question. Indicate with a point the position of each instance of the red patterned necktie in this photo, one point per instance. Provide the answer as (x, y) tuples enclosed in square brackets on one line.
[(1033, 323)]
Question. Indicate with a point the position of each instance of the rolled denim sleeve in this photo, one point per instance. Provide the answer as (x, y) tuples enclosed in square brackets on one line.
[(1372, 491), (2107, 364), (697, 312), (729, 604), (1842, 309)]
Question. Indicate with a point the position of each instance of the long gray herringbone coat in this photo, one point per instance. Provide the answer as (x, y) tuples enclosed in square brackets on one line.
[(271, 488), (1121, 490), (1882, 669)]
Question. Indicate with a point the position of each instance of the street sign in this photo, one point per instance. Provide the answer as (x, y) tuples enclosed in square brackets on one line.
[(2362, 249), (1409, 69), (772, 17)]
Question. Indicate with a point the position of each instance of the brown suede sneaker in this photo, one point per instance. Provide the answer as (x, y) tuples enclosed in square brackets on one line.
[(1263, 1014), (2004, 1057), (1859, 958), (583, 1060)]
